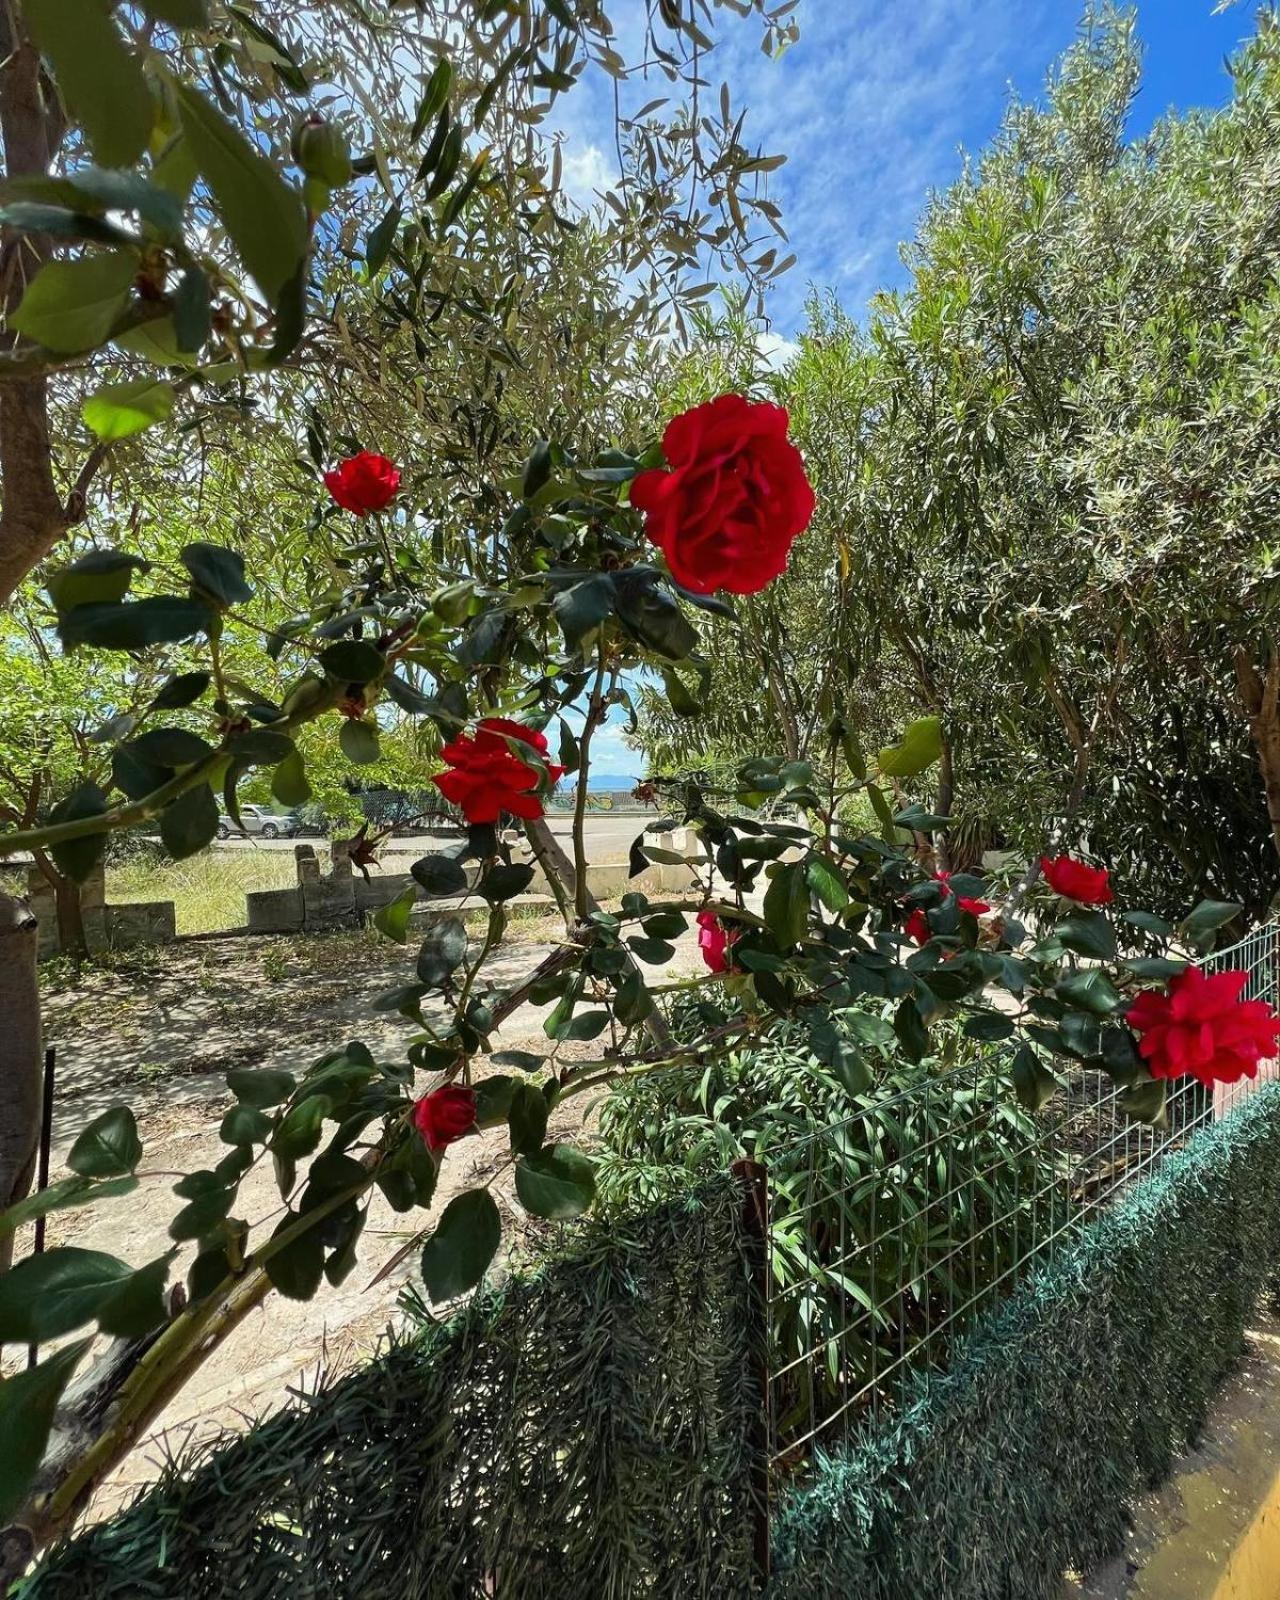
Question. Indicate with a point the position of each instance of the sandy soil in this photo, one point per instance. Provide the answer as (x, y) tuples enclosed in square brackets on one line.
[(158, 1031)]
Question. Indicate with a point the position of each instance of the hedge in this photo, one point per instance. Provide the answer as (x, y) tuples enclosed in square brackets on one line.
[(1021, 1461), (585, 1431)]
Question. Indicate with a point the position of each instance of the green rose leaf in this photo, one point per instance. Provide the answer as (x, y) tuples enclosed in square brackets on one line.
[(98, 577), (527, 1117), (71, 306), (289, 782), (440, 874), (359, 742), (28, 1401), (392, 920), (135, 624), (76, 858), (557, 1182), (123, 409), (504, 882), (48, 1295), (1090, 990), (108, 1147), (218, 573), (182, 690), (1032, 1080), (100, 78), (353, 661), (170, 747), (442, 952), (458, 1253), (786, 904), (262, 213), (261, 1086), (190, 822)]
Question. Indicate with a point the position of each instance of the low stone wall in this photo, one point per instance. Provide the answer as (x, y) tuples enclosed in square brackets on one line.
[(320, 902), (342, 898)]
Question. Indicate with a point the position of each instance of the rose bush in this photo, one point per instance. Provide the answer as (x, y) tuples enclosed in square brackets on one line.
[(818, 925)]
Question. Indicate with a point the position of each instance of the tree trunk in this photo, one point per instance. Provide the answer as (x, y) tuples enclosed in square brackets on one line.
[(1261, 697), (32, 516), (20, 1059), (945, 801)]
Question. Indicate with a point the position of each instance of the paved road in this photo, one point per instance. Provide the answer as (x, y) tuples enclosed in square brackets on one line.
[(608, 838)]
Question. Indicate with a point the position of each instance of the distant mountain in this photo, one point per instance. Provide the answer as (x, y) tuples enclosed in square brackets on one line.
[(617, 782)]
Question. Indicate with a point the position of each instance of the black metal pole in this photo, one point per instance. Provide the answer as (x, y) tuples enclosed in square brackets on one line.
[(42, 1169)]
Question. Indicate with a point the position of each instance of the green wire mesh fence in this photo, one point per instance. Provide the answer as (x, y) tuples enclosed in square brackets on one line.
[(893, 1230)]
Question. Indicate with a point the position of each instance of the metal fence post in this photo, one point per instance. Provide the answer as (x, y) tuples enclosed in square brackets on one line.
[(754, 1181)]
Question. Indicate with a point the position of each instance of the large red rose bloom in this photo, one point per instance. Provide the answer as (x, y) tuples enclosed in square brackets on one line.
[(714, 941), (363, 483), (1077, 880), (1202, 1027), (485, 778), (732, 499), (445, 1115)]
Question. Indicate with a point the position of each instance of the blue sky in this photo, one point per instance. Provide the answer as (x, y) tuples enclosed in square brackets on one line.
[(874, 107)]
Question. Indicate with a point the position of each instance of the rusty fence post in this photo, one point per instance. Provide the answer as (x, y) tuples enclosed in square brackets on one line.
[(754, 1181)]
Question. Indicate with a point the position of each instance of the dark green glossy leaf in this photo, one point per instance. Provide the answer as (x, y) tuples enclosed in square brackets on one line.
[(217, 572), (76, 858), (183, 690), (440, 874), (465, 1241), (442, 952), (28, 1401), (190, 822), (135, 624), (108, 1147), (100, 78), (557, 1182)]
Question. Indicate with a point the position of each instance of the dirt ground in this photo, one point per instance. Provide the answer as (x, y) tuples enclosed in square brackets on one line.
[(158, 1031)]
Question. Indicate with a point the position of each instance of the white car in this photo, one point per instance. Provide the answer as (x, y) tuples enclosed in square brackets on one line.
[(258, 821)]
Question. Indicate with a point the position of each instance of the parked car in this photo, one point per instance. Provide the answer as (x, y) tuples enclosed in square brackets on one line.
[(257, 820)]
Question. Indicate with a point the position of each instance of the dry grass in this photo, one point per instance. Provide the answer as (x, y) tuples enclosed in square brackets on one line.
[(208, 889)]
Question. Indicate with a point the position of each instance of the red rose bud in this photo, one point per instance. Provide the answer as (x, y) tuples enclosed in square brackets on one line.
[(321, 151), (363, 483), (1077, 880), (715, 941), (732, 499), (445, 1115), (1200, 1026), (485, 777), (916, 927)]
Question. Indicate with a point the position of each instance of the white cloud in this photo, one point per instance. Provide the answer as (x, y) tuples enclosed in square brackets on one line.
[(586, 172)]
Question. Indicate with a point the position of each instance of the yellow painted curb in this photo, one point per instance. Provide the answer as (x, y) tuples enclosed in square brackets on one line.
[(1253, 1572), (1213, 1531)]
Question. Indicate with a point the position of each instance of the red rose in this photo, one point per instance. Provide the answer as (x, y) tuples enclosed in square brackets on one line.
[(363, 483), (1201, 1026), (485, 778), (445, 1115), (1077, 880), (917, 926), (966, 901), (715, 941), (734, 499)]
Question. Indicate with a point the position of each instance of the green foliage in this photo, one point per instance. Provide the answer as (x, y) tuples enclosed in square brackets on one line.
[(1079, 1395), (917, 1162)]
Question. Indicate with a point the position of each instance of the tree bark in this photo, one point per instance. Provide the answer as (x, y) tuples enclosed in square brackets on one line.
[(20, 1058), (1260, 694), (32, 516)]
